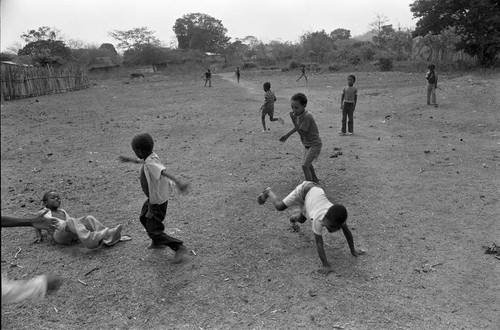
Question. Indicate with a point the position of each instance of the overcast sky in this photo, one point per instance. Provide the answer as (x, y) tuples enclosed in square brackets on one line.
[(90, 21)]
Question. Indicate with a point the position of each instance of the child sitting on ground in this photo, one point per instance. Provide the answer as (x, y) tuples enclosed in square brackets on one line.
[(86, 229), (315, 206)]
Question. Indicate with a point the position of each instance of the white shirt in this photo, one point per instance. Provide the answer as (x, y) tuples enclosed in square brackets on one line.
[(313, 206), (160, 187)]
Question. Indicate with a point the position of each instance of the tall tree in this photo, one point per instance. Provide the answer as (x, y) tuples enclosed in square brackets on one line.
[(134, 38), (47, 52), (475, 22), (340, 34), (317, 44), (201, 32), (42, 33)]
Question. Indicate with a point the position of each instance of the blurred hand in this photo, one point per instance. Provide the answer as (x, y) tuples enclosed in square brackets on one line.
[(40, 222)]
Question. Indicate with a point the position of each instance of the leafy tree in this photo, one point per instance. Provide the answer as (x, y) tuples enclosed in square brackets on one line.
[(201, 32), (47, 52), (147, 54), (340, 34), (475, 22), (43, 33), (317, 44), (134, 38)]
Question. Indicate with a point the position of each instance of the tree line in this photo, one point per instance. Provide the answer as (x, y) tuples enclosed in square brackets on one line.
[(471, 26)]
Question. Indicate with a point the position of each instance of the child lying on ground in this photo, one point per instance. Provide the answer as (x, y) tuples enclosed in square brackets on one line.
[(87, 230)]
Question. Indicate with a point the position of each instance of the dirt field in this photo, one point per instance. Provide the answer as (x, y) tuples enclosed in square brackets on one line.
[(421, 185)]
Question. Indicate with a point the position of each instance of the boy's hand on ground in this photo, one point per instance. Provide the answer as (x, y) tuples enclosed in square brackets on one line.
[(283, 138), (183, 187), (325, 270), (53, 282)]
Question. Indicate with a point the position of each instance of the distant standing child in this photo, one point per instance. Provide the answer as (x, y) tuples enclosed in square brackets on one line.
[(432, 84), (303, 73), (348, 104), (238, 73), (304, 123), (268, 107), (208, 78), (314, 206), (156, 184), (87, 230)]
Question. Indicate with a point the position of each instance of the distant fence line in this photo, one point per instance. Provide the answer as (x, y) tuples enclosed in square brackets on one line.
[(20, 82)]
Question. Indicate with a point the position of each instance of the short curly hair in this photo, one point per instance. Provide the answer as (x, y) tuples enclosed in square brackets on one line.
[(300, 97), (337, 213), (143, 142)]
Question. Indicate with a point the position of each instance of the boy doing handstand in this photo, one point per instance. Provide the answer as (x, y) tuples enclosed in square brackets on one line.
[(87, 230), (156, 184), (315, 206)]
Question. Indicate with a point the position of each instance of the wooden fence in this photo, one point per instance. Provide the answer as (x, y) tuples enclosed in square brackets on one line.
[(20, 82)]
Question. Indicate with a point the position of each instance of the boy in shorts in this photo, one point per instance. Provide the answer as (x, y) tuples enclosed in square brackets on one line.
[(268, 107), (315, 206), (304, 123)]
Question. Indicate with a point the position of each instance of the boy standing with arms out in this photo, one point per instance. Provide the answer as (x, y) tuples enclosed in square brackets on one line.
[(304, 123), (348, 104), (268, 107), (432, 84), (156, 184), (315, 206)]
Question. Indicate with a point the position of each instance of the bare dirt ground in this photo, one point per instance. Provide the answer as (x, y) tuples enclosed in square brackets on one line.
[(421, 185)]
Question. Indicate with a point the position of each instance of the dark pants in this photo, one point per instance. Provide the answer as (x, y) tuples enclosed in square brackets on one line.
[(154, 225), (348, 111)]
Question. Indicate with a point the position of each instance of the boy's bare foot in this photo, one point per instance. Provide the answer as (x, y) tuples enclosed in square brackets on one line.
[(154, 246), (261, 199), (179, 254)]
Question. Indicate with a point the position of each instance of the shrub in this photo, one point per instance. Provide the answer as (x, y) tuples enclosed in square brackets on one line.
[(285, 69), (249, 65), (385, 63), (354, 60), (294, 65), (333, 68)]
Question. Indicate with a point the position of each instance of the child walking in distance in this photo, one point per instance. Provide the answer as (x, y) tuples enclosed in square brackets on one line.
[(208, 78), (238, 74), (304, 123), (268, 107), (348, 104), (314, 206), (303, 70), (432, 84), (87, 230), (157, 185)]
